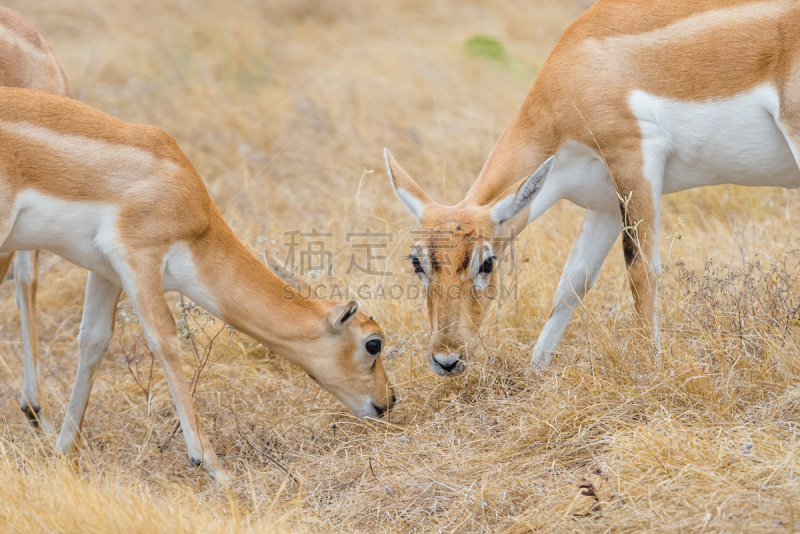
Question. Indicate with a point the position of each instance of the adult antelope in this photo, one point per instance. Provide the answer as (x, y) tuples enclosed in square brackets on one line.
[(124, 202), (27, 61), (639, 98)]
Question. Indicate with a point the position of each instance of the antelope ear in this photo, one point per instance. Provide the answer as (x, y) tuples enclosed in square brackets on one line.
[(341, 314), (406, 188), (283, 273), (510, 206)]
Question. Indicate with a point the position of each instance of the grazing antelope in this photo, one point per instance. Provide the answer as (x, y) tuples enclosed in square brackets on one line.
[(27, 61), (124, 202), (638, 99)]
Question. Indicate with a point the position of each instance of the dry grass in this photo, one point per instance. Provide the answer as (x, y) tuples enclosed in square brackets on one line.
[(283, 106)]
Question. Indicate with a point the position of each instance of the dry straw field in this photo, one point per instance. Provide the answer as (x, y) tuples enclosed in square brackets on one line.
[(284, 107)]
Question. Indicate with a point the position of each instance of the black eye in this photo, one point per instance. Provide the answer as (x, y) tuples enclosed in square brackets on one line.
[(487, 266), (417, 265), (374, 346)]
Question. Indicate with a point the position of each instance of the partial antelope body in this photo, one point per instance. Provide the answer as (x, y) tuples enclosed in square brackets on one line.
[(27, 61), (123, 201), (639, 98)]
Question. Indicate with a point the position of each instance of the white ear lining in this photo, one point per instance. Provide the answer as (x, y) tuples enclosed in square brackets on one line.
[(510, 206), (502, 210), (341, 314), (412, 204), (386, 160)]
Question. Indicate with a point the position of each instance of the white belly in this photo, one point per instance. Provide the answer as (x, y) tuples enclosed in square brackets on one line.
[(80, 232), (733, 141), (85, 233)]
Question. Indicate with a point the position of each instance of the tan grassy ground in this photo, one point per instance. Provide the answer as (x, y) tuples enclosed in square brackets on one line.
[(702, 438)]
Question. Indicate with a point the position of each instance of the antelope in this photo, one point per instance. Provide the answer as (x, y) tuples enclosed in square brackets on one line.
[(27, 61), (638, 99), (124, 202)]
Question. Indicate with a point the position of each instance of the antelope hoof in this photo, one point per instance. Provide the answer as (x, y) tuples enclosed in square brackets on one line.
[(541, 359), (220, 476), (219, 473), (33, 413)]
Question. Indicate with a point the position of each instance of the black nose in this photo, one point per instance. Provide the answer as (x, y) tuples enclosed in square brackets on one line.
[(448, 367), (379, 409)]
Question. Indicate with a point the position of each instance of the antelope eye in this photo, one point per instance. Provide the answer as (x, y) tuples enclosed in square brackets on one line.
[(487, 266), (374, 346), (417, 265)]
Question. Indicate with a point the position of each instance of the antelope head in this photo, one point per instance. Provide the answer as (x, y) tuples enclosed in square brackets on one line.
[(340, 350), (456, 259)]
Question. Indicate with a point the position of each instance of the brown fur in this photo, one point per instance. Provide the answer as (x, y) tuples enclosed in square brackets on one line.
[(452, 244), (581, 95), (161, 201), (26, 60)]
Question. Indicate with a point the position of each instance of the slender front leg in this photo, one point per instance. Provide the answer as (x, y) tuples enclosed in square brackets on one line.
[(599, 232), (146, 292), (97, 327), (26, 279)]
